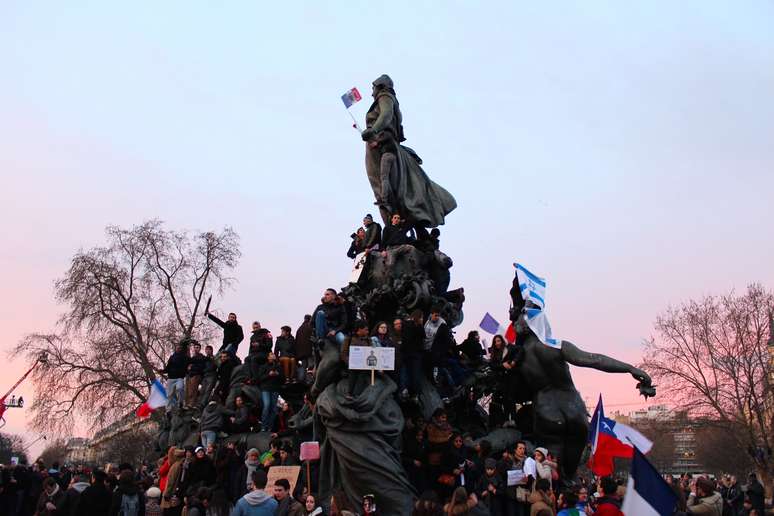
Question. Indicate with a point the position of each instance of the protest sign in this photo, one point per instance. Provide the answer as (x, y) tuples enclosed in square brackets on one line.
[(277, 472), (374, 359), (310, 450), (515, 477)]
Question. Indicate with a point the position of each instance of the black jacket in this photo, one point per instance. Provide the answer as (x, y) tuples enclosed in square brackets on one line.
[(177, 365), (335, 316), (355, 248), (232, 331), (129, 491), (285, 346), (412, 339), (269, 382), (212, 417), (198, 364), (210, 367), (394, 235), (471, 349), (224, 374), (373, 235), (201, 472), (94, 501)]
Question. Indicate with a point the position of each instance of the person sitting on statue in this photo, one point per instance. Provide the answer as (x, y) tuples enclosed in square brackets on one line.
[(232, 332), (285, 349), (395, 241), (176, 368), (330, 318), (471, 350), (373, 233), (271, 381), (358, 243), (240, 421)]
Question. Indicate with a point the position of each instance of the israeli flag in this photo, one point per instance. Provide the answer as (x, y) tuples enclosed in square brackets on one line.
[(533, 289)]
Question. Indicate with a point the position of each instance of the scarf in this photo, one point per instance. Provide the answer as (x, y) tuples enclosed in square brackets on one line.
[(251, 465), (431, 328)]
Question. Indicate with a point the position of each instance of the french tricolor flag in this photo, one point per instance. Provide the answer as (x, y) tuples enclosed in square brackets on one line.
[(647, 493), (157, 398), (611, 439), (490, 325), (351, 97)]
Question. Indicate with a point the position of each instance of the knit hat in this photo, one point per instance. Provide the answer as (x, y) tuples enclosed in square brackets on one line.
[(153, 492), (542, 450), (253, 450), (198, 449), (490, 464), (369, 217)]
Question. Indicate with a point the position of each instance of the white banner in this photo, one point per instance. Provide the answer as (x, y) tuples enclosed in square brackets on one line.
[(366, 357)]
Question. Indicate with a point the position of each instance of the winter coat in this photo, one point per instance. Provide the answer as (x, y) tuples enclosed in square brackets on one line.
[(69, 503), (201, 472), (177, 365), (395, 236), (608, 506), (55, 499), (232, 331), (711, 505), (304, 340), (212, 417), (285, 346), (373, 235), (197, 364), (127, 491), (541, 501), (255, 503), (290, 507), (94, 501), (335, 316), (269, 382)]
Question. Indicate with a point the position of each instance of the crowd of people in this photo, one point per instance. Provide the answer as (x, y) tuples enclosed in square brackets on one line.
[(221, 475)]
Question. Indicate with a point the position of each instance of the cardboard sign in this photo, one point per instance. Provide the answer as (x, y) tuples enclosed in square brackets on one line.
[(277, 472), (310, 450), (357, 267), (515, 477), (376, 359)]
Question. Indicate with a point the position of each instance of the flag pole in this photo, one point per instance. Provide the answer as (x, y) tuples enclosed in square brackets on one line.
[(357, 126)]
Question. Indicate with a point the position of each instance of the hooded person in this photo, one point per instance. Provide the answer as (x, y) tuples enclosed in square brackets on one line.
[(257, 502), (251, 464), (128, 499), (50, 498), (69, 504), (394, 171)]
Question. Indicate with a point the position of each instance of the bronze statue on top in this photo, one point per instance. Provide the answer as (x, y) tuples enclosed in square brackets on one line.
[(394, 170)]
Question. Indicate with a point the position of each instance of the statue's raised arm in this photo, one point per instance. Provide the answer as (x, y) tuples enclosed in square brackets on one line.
[(577, 357)]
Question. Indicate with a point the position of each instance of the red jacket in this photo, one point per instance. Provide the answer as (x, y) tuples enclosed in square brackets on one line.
[(608, 507)]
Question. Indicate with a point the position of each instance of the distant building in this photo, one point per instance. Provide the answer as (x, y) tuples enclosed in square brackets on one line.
[(682, 430), (78, 451)]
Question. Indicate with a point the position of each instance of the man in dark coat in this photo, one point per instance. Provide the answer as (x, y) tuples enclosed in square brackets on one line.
[(196, 365), (226, 367), (373, 235), (330, 318), (95, 499), (176, 369), (69, 503), (304, 335), (232, 332)]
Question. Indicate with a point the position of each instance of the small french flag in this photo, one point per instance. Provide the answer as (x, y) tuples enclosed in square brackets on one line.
[(490, 325), (157, 398), (351, 97), (647, 493)]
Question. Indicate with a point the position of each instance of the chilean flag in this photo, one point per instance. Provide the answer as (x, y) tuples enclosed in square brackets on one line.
[(609, 439), (157, 398)]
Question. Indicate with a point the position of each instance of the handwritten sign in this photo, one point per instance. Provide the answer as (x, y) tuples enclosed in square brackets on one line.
[(374, 359), (310, 450), (277, 472), (515, 477)]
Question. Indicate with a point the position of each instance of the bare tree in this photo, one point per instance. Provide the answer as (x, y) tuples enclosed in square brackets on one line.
[(714, 358), (11, 445), (128, 303), (55, 451)]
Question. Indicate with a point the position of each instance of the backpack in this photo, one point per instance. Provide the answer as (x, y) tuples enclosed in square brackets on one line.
[(130, 505)]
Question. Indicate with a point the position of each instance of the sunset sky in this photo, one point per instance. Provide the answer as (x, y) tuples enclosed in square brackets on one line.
[(623, 151)]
